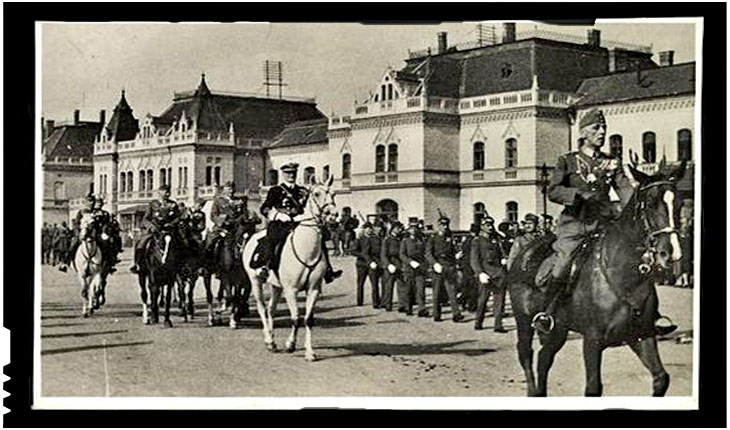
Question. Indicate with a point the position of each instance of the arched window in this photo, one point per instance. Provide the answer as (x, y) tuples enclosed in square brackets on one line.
[(122, 182), (684, 145), (380, 158), (346, 165), (273, 177), (308, 175), (59, 191), (130, 181), (180, 181), (390, 91), (478, 155), (387, 209), (392, 157), (209, 175), (217, 174), (325, 173), (510, 153), (169, 176), (616, 145), (648, 144), (142, 180), (150, 180), (512, 211), (382, 92), (480, 211), (163, 176)]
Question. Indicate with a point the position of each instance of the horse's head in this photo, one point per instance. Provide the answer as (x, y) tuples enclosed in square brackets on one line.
[(658, 211), (321, 201)]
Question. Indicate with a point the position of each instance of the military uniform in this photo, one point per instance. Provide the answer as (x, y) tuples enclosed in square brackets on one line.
[(221, 215), (413, 253), (390, 256), (486, 259), (469, 291), (522, 241), (346, 227), (61, 243), (361, 267), (440, 250), (160, 214), (371, 252)]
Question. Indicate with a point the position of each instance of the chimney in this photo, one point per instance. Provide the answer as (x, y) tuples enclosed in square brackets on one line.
[(611, 60), (441, 42), (76, 116), (102, 117), (666, 58), (594, 38), (509, 33), (49, 127)]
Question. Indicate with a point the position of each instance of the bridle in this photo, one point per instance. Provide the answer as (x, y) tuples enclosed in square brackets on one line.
[(319, 222), (650, 232)]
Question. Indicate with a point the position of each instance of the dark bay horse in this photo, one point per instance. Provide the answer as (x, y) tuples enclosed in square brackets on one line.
[(191, 262), (158, 273), (611, 299)]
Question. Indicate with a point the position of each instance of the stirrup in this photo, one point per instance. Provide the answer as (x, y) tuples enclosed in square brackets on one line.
[(539, 318), (262, 273)]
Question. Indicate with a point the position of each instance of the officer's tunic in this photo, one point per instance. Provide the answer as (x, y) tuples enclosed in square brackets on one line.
[(361, 267), (159, 213), (413, 249), (576, 172), (390, 254), (486, 256), (521, 242), (440, 249), (371, 253), (281, 199)]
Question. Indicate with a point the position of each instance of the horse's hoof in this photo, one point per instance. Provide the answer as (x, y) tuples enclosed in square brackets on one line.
[(271, 346), (147, 321), (233, 324), (290, 347), (168, 323), (310, 356), (86, 314)]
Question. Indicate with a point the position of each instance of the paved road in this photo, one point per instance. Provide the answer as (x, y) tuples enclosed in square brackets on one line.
[(363, 352)]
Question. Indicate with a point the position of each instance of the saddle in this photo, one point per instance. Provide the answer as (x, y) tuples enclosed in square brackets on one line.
[(275, 257), (577, 258)]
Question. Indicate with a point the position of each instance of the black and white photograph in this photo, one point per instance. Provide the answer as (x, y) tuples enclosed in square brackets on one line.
[(463, 215)]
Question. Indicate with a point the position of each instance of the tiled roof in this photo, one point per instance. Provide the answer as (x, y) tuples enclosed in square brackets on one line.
[(660, 82), (302, 133), (122, 125), (73, 140), (252, 117)]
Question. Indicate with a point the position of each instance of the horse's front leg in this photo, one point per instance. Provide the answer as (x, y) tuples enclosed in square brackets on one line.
[(191, 288), (592, 355), (290, 295), (525, 333), (207, 281), (646, 350), (85, 299), (169, 289), (143, 296), (312, 295), (257, 289), (235, 303), (545, 358), (179, 284), (270, 312)]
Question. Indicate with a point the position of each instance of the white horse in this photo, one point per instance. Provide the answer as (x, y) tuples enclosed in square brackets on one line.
[(89, 269), (302, 268)]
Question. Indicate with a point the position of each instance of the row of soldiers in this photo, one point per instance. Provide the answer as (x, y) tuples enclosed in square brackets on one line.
[(55, 241), (467, 269), (342, 232)]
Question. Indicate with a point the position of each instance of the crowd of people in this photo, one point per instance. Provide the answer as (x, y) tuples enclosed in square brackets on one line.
[(463, 268)]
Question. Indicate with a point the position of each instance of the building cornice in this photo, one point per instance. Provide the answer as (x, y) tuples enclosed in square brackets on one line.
[(685, 101), (514, 114)]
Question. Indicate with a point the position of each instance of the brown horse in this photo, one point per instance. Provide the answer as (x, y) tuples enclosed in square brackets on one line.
[(611, 299)]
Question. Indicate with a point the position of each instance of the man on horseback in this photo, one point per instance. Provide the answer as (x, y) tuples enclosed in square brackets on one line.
[(83, 218), (581, 182), (111, 244), (160, 214), (521, 242), (283, 203), (221, 214)]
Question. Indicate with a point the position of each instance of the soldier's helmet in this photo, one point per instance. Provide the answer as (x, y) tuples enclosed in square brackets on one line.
[(474, 228), (504, 226), (530, 217)]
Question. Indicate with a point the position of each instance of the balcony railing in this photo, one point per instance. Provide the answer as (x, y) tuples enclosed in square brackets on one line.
[(381, 178), (206, 191)]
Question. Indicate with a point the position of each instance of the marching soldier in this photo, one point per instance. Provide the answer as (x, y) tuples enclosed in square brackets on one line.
[(361, 263), (390, 261), (487, 259), (371, 253), (283, 203), (441, 255), (581, 182), (522, 241), (470, 294), (413, 260), (82, 219), (160, 213)]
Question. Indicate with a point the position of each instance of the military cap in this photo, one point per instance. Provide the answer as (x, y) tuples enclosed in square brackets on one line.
[(474, 228), (90, 197), (290, 167), (530, 217), (367, 224), (164, 187), (488, 220), (444, 220), (593, 116), (99, 200), (230, 184), (503, 226), (547, 217), (396, 225)]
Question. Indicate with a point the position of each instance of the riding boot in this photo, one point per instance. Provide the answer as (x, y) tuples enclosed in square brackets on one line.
[(543, 321), (330, 274)]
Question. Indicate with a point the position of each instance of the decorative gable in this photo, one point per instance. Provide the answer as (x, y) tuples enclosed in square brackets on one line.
[(478, 135), (510, 132), (346, 147)]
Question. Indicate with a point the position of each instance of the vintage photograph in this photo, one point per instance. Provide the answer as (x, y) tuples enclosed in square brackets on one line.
[(277, 215)]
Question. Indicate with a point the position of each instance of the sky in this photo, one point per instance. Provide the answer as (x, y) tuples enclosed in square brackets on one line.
[(85, 66)]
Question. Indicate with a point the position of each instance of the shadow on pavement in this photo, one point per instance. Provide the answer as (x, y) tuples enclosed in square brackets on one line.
[(90, 347), (59, 325), (81, 334), (389, 349)]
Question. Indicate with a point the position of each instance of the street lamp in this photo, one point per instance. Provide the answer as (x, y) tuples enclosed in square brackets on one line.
[(544, 180)]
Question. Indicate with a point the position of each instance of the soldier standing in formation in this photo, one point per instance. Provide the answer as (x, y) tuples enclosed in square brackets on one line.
[(361, 264), (60, 243), (82, 219), (347, 226), (371, 253), (159, 213), (487, 263), (413, 258), (441, 255), (391, 264)]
